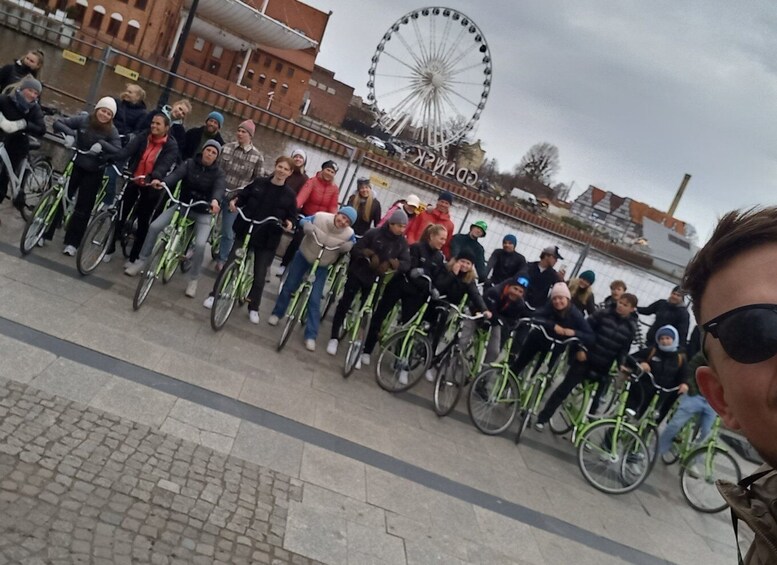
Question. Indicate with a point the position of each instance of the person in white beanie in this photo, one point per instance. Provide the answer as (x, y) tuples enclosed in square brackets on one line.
[(95, 137)]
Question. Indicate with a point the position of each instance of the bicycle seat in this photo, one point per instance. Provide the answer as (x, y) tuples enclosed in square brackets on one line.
[(34, 142)]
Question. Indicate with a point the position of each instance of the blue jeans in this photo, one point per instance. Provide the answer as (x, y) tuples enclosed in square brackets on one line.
[(688, 407), (227, 233), (297, 270)]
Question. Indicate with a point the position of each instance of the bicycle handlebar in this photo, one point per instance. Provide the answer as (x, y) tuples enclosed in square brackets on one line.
[(534, 325), (461, 314), (326, 248), (257, 222), (179, 202), (640, 372)]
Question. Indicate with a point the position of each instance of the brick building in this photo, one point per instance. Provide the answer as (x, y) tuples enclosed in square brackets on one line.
[(327, 99), (266, 46)]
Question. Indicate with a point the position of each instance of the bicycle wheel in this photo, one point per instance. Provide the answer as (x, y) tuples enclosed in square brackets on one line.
[(294, 315), (671, 456), (403, 360), (449, 382), (248, 279), (356, 344), (225, 294), (38, 222), (570, 411), (149, 276), (650, 438), (615, 465), (95, 242), (492, 407), (332, 294), (127, 235), (701, 468), (35, 183), (175, 258)]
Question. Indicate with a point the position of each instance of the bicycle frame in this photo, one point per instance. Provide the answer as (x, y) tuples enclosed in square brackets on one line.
[(15, 180)]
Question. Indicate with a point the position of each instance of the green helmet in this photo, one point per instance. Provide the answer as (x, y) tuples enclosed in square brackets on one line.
[(480, 224)]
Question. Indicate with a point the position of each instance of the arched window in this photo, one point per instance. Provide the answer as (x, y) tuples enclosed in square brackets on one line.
[(114, 24), (131, 33), (98, 14)]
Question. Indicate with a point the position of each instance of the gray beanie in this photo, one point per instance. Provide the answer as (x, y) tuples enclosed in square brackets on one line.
[(31, 83), (212, 143), (398, 217)]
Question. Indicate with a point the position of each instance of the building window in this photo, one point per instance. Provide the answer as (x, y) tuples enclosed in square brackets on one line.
[(218, 50), (267, 62), (61, 5), (114, 25), (199, 44), (255, 57), (312, 82), (278, 67), (141, 4), (131, 33), (262, 78), (321, 86), (330, 90), (290, 72), (96, 22), (77, 13)]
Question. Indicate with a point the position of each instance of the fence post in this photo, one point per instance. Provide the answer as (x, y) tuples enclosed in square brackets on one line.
[(580, 261), (347, 191), (102, 64)]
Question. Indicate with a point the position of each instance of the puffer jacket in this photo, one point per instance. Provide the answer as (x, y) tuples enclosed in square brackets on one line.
[(323, 225), (613, 335), (669, 368), (78, 127), (198, 182), (416, 227), (455, 287), (424, 256), (379, 246), (262, 199), (129, 116), (316, 195), (506, 310), (503, 265), (12, 111), (755, 504), (667, 314), (571, 318)]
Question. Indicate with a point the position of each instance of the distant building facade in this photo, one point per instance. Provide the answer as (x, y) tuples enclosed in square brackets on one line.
[(327, 99)]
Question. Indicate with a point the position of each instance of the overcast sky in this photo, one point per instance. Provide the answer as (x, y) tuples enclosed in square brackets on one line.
[(633, 93)]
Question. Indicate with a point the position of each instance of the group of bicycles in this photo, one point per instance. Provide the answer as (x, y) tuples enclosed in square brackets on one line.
[(616, 450)]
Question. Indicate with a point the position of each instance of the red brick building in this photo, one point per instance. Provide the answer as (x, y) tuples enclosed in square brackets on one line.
[(327, 98)]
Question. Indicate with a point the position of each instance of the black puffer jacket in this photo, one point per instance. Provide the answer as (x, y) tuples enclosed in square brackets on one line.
[(259, 200), (79, 127), (503, 265), (13, 73), (613, 335), (164, 160), (456, 287), (379, 246), (431, 260), (669, 368), (198, 182), (667, 315), (129, 116), (506, 310), (571, 318), (12, 111)]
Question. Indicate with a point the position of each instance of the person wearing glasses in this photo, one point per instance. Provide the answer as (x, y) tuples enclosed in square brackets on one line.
[(734, 297)]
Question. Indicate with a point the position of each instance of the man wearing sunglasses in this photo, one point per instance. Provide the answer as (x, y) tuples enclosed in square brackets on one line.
[(732, 282)]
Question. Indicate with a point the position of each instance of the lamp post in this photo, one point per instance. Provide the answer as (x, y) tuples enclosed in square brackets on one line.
[(165, 96)]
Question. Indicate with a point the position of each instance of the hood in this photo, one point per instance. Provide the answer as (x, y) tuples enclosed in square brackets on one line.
[(675, 338)]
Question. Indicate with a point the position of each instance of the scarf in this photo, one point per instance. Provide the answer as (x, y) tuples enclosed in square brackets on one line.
[(148, 159)]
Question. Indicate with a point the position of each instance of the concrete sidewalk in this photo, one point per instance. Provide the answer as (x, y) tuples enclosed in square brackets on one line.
[(373, 478)]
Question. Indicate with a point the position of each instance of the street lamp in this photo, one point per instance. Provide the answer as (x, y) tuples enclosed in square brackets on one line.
[(165, 96)]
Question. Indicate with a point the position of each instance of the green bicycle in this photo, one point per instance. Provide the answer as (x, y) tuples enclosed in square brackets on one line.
[(26, 187), (335, 284), (236, 278), (169, 249)]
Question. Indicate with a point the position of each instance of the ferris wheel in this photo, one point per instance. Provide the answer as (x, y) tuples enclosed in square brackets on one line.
[(430, 75)]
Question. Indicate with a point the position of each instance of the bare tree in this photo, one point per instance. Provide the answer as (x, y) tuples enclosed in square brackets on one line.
[(540, 163)]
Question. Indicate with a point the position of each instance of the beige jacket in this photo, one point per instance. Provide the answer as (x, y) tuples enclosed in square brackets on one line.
[(323, 225)]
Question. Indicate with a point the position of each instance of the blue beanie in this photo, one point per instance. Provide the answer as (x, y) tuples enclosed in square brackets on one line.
[(349, 212), (510, 238), (214, 115), (671, 332)]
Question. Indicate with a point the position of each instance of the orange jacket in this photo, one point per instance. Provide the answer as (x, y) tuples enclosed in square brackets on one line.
[(417, 225), (317, 196)]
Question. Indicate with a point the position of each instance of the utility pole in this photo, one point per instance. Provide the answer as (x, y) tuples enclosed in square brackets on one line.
[(165, 97), (679, 195)]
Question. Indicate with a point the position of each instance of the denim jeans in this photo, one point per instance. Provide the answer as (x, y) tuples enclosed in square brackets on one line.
[(688, 407), (297, 270), (227, 233)]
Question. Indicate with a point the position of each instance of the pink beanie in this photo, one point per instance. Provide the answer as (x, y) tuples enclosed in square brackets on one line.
[(560, 289), (249, 126)]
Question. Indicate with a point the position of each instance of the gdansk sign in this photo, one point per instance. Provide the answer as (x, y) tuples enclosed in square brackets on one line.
[(439, 165)]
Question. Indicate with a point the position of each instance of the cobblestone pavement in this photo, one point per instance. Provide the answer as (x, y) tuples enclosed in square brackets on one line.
[(82, 486)]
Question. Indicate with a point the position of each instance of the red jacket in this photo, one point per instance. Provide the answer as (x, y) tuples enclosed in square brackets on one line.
[(417, 225), (317, 196)]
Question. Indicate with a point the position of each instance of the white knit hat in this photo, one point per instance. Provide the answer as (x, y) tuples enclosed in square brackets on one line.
[(106, 102)]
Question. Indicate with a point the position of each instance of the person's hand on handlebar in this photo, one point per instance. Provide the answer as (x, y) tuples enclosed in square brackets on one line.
[(487, 314), (682, 389), (214, 207), (581, 356), (645, 366), (564, 332), (288, 226), (233, 205), (156, 183)]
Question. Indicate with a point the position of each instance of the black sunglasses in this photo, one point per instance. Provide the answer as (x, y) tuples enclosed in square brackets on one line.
[(748, 334)]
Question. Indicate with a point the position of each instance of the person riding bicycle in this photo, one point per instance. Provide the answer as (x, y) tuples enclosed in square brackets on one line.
[(379, 251), (669, 368), (582, 293), (505, 263), (366, 206), (412, 288), (613, 335), (152, 155), (201, 179), (470, 241), (318, 194), (20, 116), (329, 230), (506, 304), (265, 197), (95, 135), (560, 319)]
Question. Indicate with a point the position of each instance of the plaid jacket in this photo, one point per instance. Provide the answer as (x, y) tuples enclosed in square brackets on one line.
[(241, 165)]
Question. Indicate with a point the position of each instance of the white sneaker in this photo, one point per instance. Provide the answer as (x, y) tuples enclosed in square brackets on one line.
[(279, 271), (69, 250), (430, 375), (365, 359), (310, 344), (134, 268), (331, 347), (273, 320), (539, 426), (208, 302), (107, 257), (41, 242), (191, 289), (253, 316), (403, 377), (127, 263)]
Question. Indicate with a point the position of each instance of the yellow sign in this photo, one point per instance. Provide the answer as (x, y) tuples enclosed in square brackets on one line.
[(379, 181), (125, 72), (74, 57)]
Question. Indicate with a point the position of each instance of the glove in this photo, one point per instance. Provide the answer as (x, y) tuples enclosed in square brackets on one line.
[(435, 294), (417, 272), (394, 264), (12, 126), (3, 122), (70, 140), (383, 267), (374, 261), (368, 253), (96, 149)]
